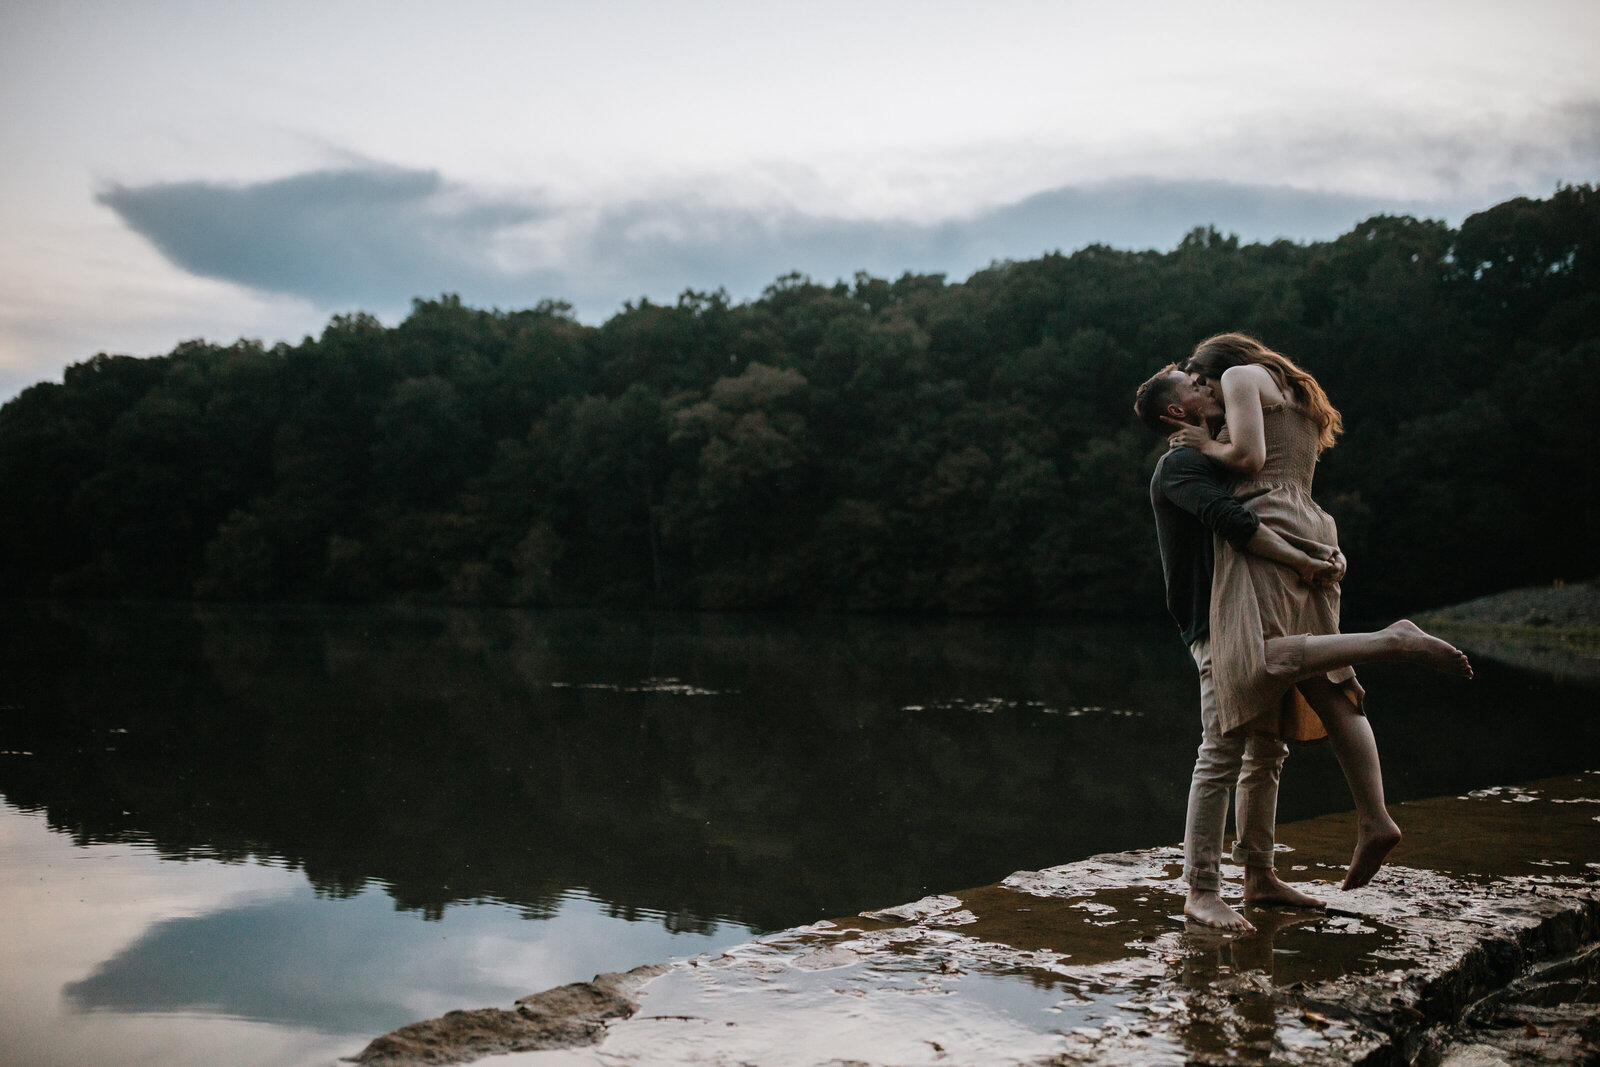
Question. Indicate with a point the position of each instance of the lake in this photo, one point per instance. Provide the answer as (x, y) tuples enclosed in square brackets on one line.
[(266, 835)]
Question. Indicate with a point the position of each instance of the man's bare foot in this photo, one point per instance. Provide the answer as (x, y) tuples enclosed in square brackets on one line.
[(1208, 909), (1371, 847), (1417, 643), (1266, 890)]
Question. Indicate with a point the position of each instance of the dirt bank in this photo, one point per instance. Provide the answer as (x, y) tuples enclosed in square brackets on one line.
[(1475, 945)]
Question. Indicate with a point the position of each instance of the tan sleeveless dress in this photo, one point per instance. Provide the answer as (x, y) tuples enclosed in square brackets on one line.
[(1261, 610)]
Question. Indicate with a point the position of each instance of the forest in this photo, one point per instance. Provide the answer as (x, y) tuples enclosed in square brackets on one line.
[(907, 445)]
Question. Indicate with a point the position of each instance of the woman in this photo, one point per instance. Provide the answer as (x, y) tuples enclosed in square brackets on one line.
[(1282, 667)]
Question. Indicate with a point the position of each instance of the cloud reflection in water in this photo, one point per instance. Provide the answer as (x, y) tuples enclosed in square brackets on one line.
[(360, 966)]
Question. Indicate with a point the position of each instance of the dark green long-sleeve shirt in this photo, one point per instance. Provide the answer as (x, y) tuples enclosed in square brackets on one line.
[(1191, 503)]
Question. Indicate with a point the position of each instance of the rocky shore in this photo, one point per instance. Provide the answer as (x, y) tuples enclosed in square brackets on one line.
[(1477, 944)]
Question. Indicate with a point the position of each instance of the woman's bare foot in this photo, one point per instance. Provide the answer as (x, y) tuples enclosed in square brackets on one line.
[(1374, 844), (1417, 643), (1264, 889), (1207, 909)]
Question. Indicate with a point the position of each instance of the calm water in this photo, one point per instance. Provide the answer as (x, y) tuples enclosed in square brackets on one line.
[(266, 836)]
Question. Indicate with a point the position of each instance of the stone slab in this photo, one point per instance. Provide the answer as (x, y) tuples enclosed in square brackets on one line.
[(1475, 942)]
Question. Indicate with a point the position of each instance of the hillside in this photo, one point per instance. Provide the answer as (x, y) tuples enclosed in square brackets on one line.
[(915, 445)]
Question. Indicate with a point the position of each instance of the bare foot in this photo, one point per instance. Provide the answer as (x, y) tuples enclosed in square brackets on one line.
[(1267, 890), (1208, 909), (1417, 643), (1371, 847)]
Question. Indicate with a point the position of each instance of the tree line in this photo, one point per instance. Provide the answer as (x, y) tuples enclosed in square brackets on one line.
[(910, 445)]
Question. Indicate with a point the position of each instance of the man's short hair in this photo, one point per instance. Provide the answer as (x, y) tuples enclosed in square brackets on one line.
[(1150, 402)]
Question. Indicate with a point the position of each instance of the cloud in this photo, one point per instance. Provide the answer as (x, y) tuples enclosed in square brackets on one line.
[(668, 243), (368, 234), (375, 236), (378, 236)]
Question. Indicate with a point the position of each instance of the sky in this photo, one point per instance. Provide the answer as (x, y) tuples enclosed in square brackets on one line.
[(177, 170)]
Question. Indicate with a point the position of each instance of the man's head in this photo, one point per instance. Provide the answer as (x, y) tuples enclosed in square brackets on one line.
[(1172, 393)]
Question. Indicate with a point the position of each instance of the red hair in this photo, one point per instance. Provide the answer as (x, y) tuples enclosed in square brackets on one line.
[(1216, 354)]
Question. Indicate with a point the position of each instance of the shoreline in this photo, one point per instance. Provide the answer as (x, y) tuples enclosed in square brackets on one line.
[(1470, 941)]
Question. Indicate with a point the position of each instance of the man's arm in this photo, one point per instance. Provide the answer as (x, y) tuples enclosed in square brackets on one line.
[(1191, 482), (1266, 543)]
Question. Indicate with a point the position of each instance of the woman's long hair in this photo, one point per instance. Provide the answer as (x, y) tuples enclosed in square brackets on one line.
[(1216, 354)]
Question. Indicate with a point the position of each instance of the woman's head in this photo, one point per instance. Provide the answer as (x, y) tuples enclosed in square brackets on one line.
[(1217, 354)]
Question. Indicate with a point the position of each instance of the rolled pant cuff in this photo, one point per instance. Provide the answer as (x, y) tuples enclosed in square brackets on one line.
[(1203, 881), (1249, 858)]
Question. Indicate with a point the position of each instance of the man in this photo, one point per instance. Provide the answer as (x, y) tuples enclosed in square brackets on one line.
[(1191, 503)]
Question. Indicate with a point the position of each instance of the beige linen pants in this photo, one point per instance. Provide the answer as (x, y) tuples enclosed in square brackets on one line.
[(1249, 763)]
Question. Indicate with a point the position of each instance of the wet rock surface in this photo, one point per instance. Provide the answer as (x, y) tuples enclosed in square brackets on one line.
[(565, 1017), (1551, 1015), (1475, 945)]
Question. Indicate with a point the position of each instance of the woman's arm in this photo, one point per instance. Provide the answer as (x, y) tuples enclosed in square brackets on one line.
[(1246, 450)]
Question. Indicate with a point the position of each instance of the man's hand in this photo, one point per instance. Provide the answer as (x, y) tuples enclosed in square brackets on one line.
[(1340, 565), (1314, 571)]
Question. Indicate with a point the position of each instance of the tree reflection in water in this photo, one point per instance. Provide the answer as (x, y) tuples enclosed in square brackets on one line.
[(762, 770)]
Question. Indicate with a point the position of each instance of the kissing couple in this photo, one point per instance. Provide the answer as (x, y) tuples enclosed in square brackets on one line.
[(1252, 569)]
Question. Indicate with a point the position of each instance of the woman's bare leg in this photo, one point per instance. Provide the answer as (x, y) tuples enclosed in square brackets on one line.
[(1357, 750), (1403, 640)]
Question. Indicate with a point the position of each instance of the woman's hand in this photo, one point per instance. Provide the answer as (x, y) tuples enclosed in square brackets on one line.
[(1188, 434)]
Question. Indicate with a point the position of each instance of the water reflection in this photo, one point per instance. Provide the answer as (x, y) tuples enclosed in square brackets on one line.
[(113, 955), (349, 967), (765, 771), (1226, 987), (650, 785), (463, 756)]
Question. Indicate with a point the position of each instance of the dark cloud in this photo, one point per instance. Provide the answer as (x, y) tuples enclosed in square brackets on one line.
[(376, 237), (668, 246), (373, 235)]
